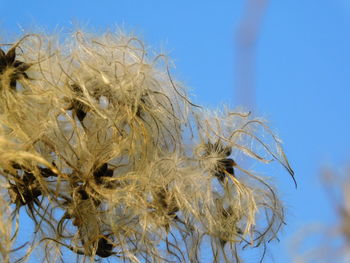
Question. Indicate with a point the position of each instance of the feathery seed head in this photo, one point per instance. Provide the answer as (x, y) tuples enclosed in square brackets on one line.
[(99, 134)]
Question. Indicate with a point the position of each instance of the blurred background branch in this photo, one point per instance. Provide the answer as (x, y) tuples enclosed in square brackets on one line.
[(246, 37)]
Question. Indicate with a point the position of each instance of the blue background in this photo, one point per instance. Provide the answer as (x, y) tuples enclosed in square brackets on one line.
[(299, 69)]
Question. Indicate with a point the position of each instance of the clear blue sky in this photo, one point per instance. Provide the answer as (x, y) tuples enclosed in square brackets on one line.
[(302, 73)]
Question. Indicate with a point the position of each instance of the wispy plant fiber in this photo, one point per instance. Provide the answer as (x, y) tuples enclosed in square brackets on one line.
[(110, 158)]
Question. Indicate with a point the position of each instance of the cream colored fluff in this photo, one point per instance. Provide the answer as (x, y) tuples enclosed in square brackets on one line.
[(102, 100)]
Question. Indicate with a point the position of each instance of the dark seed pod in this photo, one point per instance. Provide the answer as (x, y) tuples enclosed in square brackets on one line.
[(9, 61), (167, 203), (10, 56), (80, 114), (46, 172), (79, 108), (101, 172), (22, 195), (31, 194), (218, 148), (2, 57), (16, 166), (83, 194), (225, 165), (21, 66), (28, 178), (76, 88), (104, 248)]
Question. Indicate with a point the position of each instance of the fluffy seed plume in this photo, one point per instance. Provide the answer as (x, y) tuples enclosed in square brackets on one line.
[(108, 156)]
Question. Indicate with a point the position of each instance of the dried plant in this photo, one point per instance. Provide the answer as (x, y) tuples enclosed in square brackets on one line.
[(110, 159)]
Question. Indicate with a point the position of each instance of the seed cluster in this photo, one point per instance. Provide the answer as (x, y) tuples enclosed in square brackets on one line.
[(110, 159)]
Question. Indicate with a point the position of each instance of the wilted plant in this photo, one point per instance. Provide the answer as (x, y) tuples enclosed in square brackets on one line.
[(110, 159)]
